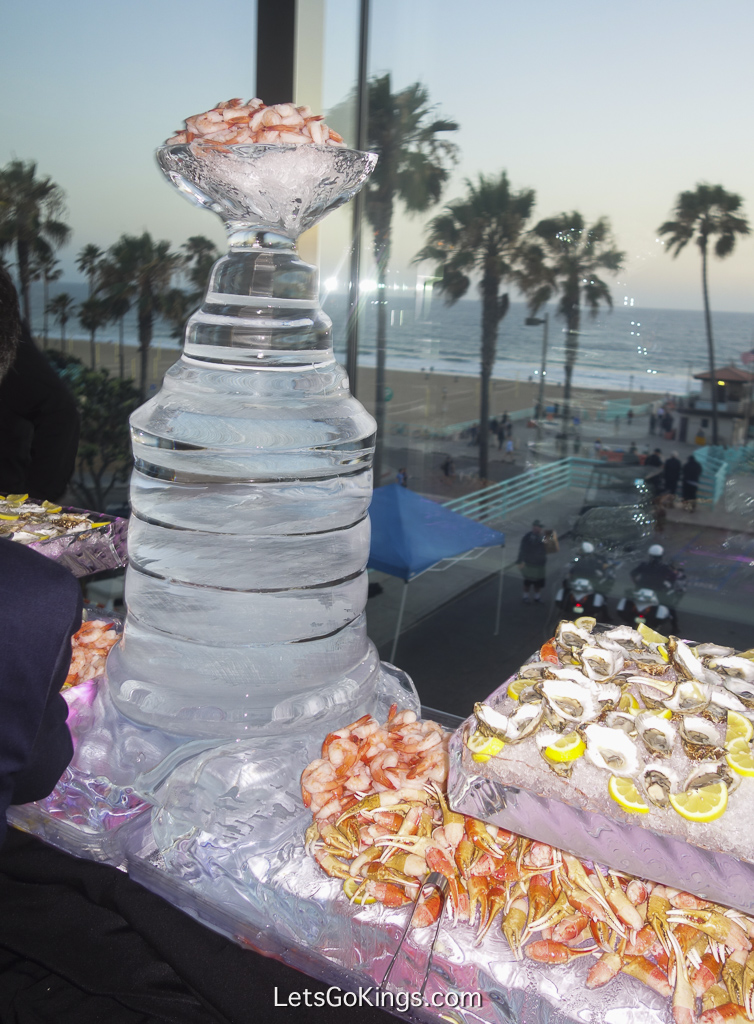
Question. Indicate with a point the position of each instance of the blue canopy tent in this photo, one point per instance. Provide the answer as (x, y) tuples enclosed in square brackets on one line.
[(411, 534)]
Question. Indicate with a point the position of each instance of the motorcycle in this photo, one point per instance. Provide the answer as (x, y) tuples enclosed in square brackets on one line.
[(643, 605), (579, 597)]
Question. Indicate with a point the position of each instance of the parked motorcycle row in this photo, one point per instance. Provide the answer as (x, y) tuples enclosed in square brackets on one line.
[(653, 597)]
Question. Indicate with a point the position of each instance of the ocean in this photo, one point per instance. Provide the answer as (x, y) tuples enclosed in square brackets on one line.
[(626, 349)]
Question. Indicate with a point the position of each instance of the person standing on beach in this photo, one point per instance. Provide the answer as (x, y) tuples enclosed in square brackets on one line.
[(672, 474), (692, 470), (532, 560), (401, 477)]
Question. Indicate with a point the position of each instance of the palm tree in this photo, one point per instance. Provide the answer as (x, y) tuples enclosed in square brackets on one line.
[(116, 293), (565, 259), (480, 234), (88, 262), (51, 271), (31, 209), (93, 314), (201, 254), (147, 269), (413, 167), (708, 212), (62, 308)]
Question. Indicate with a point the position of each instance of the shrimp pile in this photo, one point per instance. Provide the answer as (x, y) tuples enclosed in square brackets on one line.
[(91, 645), (381, 827), (234, 122)]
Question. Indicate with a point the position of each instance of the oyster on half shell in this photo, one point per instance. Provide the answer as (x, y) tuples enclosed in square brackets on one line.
[(569, 700), (600, 664), (701, 738), (657, 733), (612, 750), (659, 782)]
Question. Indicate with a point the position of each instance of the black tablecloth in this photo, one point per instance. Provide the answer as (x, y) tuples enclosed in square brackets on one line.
[(80, 943)]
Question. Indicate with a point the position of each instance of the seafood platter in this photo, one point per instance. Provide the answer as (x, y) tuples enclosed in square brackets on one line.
[(591, 941), (84, 542), (624, 746)]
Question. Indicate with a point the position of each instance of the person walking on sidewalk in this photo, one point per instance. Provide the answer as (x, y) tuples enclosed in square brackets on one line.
[(532, 560)]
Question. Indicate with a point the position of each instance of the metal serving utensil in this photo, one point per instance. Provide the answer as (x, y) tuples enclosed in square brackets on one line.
[(434, 880)]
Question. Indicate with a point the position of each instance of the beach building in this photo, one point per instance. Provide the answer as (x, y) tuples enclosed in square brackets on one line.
[(733, 387)]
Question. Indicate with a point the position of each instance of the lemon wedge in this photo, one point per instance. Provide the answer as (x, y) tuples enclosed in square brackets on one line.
[(515, 687), (739, 757), (629, 704), (701, 805), (651, 636), (484, 747), (16, 499), (666, 713), (565, 748), (625, 793), (738, 728), (49, 507), (12, 518), (351, 886)]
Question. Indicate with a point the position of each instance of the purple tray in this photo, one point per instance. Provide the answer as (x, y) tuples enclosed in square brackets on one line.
[(623, 845), (90, 551)]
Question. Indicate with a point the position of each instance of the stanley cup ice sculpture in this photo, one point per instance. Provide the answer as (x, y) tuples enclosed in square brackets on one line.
[(249, 536)]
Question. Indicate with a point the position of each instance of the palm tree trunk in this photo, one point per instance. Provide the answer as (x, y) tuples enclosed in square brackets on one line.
[(380, 406), (490, 321), (62, 335), (92, 351), (145, 338), (22, 257), (710, 344), (121, 353), (573, 323), (46, 294)]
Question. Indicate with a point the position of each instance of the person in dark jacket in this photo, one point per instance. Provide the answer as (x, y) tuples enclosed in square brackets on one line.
[(692, 471), (39, 421), (654, 478), (40, 610), (532, 559), (672, 474)]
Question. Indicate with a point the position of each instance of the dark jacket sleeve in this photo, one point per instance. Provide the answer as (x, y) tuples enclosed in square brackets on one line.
[(34, 398), (40, 609)]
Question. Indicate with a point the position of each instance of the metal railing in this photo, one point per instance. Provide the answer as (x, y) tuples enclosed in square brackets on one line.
[(500, 500)]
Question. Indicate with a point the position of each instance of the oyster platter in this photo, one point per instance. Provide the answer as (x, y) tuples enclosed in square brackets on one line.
[(626, 747)]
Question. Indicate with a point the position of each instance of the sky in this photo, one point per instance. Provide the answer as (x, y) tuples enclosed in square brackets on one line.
[(611, 109)]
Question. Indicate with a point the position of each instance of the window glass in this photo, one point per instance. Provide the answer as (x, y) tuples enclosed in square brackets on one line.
[(605, 112)]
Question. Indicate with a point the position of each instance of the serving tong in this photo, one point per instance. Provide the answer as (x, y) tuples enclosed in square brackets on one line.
[(433, 881)]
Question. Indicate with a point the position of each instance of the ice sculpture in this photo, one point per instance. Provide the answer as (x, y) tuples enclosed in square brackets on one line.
[(249, 534)]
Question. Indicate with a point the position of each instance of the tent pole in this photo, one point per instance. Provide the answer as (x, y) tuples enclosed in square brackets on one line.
[(398, 624), (499, 590)]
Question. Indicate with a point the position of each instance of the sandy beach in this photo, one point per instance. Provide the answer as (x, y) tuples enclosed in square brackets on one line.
[(423, 399)]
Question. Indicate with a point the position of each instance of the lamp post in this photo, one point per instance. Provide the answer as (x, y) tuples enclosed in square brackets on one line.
[(536, 321)]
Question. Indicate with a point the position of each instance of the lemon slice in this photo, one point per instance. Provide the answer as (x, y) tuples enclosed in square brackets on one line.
[(16, 499), (625, 793), (49, 507), (666, 713), (701, 805), (739, 728), (629, 704), (351, 886), (565, 748), (749, 655), (12, 518), (586, 622), (739, 757), (516, 686), (663, 652), (484, 747), (651, 636)]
